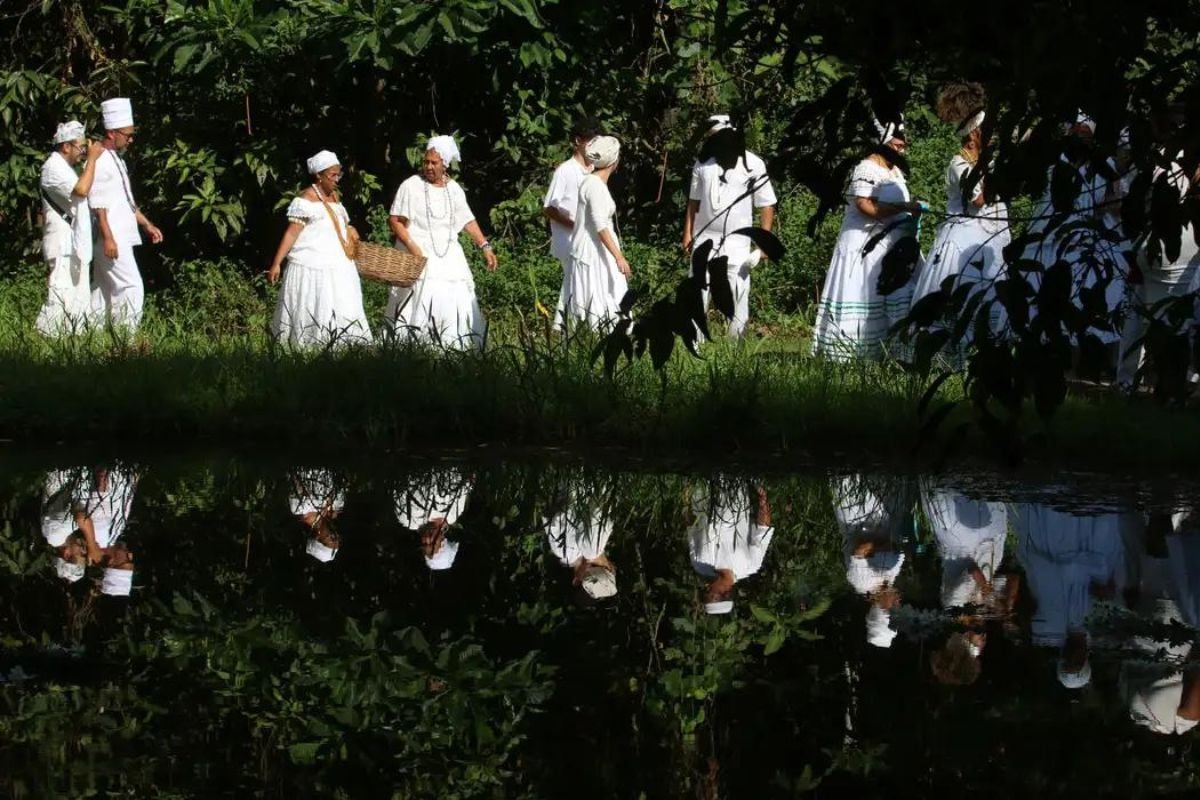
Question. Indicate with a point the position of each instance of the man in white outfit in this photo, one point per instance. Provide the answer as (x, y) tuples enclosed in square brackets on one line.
[(562, 199), (119, 293), (67, 233), (728, 183), (728, 540)]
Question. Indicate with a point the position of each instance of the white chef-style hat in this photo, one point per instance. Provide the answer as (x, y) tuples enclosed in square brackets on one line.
[(117, 113)]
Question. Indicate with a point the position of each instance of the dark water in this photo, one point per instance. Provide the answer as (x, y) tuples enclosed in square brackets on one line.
[(454, 629)]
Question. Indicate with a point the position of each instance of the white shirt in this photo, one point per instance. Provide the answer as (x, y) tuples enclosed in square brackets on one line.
[(726, 535), (575, 533), (715, 195), (564, 195), (112, 192), (109, 510), (59, 238), (436, 215), (443, 496)]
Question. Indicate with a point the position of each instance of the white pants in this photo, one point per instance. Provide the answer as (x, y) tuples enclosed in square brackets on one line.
[(68, 305), (739, 283), (1157, 285), (119, 292)]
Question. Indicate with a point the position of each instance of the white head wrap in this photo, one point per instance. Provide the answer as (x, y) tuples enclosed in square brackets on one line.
[(599, 582), (320, 552), (117, 582), (57, 530), (603, 151), (446, 147), (67, 571), (1074, 680), (970, 124), (444, 557), (890, 130), (69, 132), (117, 113), (879, 629), (719, 607), (718, 122), (1080, 119), (322, 161)]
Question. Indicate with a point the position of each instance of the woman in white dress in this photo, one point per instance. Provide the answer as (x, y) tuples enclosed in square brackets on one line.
[(428, 214), (854, 318), (320, 302), (969, 244), (598, 271)]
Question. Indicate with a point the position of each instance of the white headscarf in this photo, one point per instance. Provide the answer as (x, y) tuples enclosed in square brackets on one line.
[(69, 132), (320, 552), (890, 130), (322, 161), (599, 583), (970, 124), (603, 151), (879, 629), (719, 607), (446, 147), (1080, 119), (117, 582), (718, 122), (1074, 680), (444, 557), (117, 113)]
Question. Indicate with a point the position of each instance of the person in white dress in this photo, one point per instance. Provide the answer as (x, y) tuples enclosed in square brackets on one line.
[(853, 318), (107, 507), (63, 523), (969, 244), (320, 301), (67, 234), (315, 500), (431, 506), (728, 183), (728, 537), (598, 270), (562, 199), (578, 534), (118, 294), (428, 215)]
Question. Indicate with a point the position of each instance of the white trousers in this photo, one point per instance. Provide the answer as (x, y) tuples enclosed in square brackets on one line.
[(1157, 285), (68, 305), (119, 293), (739, 283)]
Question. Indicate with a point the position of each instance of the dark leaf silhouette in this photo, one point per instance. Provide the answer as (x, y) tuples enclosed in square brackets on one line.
[(875, 239), (931, 391), (718, 286), (1065, 184), (700, 256), (766, 241), (689, 300), (897, 265), (631, 296)]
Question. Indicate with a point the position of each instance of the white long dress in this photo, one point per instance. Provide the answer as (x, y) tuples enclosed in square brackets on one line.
[(968, 245), (440, 308), (873, 513), (726, 534), (853, 318), (968, 532), (109, 504), (722, 209), (593, 294), (320, 296), (439, 495), (67, 248)]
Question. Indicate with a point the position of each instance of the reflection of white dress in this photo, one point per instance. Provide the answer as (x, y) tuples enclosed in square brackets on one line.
[(593, 289), (438, 495), (440, 308), (60, 498), (726, 535), (968, 245), (853, 318), (109, 509), (577, 532), (967, 532), (320, 296), (861, 513), (314, 491)]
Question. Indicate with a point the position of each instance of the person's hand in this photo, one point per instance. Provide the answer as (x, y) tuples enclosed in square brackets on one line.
[(490, 258), (110, 249), (352, 234), (687, 243), (273, 273), (414, 250), (623, 265), (154, 233), (95, 149)]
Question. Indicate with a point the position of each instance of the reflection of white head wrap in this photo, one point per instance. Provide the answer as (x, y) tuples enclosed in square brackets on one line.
[(444, 557), (868, 574), (1074, 680), (719, 607), (599, 582), (717, 122), (117, 582), (970, 124), (879, 628), (320, 552), (446, 147), (69, 132), (117, 113), (322, 161), (603, 151), (890, 130), (57, 530), (67, 571), (1080, 119)]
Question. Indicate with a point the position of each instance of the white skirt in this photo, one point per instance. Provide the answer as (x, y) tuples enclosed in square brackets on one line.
[(440, 308), (969, 251), (320, 306), (68, 306), (592, 289)]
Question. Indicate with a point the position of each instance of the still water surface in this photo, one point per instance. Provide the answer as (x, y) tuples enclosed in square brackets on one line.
[(455, 629)]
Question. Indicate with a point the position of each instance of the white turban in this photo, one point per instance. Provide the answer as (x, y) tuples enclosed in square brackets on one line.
[(879, 629), (970, 124), (719, 607), (603, 151), (1074, 680), (718, 122), (890, 130), (1080, 119), (446, 147), (599, 582), (320, 552), (69, 132), (117, 582), (444, 557), (56, 530), (117, 113), (322, 161), (67, 571)]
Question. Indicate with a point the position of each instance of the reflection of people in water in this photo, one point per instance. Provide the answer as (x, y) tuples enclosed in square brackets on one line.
[(578, 534), (1068, 560), (1163, 688), (315, 501), (729, 532), (870, 519), (62, 520), (431, 505), (85, 527)]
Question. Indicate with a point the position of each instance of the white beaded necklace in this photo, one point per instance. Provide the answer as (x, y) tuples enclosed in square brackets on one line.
[(447, 211)]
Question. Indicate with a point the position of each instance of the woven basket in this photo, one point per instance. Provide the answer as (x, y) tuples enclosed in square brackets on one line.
[(388, 265)]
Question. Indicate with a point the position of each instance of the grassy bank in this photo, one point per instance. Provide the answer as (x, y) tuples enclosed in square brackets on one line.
[(204, 370)]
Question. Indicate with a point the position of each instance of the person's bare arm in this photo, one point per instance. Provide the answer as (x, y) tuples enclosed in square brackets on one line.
[(285, 247), (476, 233), (877, 210), (107, 242), (766, 219), (610, 244), (399, 226), (763, 515), (558, 216), (689, 221), (151, 230), (88, 176)]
